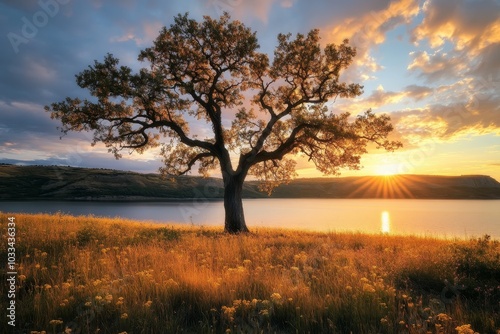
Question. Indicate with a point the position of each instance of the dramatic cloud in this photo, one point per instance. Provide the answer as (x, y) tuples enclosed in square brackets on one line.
[(468, 24), (382, 100), (417, 92), (449, 122), (368, 30), (472, 31), (437, 65)]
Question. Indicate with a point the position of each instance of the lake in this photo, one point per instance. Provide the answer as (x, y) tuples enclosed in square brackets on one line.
[(435, 218)]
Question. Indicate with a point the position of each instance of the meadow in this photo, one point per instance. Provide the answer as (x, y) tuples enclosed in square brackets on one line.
[(96, 275)]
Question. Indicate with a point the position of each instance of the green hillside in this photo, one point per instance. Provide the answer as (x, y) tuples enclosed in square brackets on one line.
[(69, 183)]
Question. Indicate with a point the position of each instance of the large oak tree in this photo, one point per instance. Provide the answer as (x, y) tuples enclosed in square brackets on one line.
[(261, 113)]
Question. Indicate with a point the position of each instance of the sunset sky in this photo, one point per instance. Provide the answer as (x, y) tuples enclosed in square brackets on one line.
[(433, 65)]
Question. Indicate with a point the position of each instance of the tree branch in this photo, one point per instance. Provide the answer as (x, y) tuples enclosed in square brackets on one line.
[(191, 163)]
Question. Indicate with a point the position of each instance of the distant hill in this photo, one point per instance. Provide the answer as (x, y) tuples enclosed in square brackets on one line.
[(398, 186), (69, 183)]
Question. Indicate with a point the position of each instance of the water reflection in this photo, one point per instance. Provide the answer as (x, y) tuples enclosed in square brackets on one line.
[(386, 222), (433, 218)]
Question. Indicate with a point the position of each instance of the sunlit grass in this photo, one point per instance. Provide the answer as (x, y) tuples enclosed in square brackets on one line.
[(88, 274)]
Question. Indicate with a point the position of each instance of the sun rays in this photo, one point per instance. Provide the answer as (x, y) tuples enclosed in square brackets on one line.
[(389, 186)]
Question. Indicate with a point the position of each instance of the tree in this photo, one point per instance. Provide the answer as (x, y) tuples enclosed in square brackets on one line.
[(200, 71)]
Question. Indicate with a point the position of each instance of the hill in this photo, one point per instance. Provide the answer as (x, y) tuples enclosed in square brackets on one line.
[(70, 183), (398, 186)]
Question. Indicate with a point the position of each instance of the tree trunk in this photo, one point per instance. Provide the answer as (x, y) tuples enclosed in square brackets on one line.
[(233, 205)]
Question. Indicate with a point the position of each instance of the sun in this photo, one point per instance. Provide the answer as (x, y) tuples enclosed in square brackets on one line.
[(387, 169)]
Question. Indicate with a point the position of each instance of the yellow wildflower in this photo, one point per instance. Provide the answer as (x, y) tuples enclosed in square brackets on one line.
[(465, 329), (368, 288), (443, 317), (276, 298)]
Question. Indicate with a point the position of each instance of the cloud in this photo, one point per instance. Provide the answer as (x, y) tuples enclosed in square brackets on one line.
[(448, 122), (142, 37), (366, 30), (451, 111), (29, 136), (23, 117), (465, 23), (488, 64), (438, 65), (382, 100), (472, 32), (380, 97), (417, 92), (244, 10), (287, 3)]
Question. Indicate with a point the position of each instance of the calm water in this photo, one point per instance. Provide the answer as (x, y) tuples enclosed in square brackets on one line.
[(441, 218)]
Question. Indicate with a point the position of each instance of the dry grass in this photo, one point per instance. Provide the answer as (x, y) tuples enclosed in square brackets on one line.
[(88, 275)]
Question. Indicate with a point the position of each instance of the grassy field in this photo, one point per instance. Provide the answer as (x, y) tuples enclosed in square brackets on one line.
[(89, 275)]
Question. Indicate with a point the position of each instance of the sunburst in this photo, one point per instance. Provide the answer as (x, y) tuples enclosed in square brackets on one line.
[(390, 186)]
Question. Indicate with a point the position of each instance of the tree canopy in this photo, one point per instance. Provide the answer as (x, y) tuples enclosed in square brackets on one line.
[(261, 113)]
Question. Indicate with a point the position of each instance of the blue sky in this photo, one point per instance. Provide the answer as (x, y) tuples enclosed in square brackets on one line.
[(433, 65)]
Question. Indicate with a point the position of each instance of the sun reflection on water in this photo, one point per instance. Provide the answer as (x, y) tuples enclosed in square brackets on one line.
[(386, 222)]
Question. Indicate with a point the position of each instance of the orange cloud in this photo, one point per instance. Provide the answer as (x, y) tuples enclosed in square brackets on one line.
[(466, 24), (368, 30), (473, 32), (448, 122), (381, 98)]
